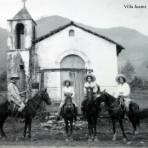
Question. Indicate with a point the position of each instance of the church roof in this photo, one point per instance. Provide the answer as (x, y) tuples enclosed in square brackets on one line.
[(23, 14), (49, 26)]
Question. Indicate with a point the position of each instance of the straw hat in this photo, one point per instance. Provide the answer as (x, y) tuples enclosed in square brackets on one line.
[(14, 76), (90, 75), (121, 76), (65, 81)]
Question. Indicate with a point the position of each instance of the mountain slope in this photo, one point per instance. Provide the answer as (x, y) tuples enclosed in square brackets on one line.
[(136, 48)]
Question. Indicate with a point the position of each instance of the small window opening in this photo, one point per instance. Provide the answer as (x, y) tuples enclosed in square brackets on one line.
[(22, 67), (71, 32)]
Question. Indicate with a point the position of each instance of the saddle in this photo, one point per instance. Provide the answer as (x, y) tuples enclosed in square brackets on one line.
[(72, 105), (13, 109), (122, 103), (63, 111), (118, 105)]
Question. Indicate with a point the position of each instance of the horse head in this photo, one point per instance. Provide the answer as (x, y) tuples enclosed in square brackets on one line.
[(45, 97), (106, 98), (68, 109), (68, 103)]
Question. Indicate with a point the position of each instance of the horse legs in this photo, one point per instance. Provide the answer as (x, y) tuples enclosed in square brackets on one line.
[(114, 130), (134, 127), (71, 129), (66, 129), (29, 128), (134, 124), (122, 129), (1, 129), (95, 130), (25, 128), (90, 129), (133, 115)]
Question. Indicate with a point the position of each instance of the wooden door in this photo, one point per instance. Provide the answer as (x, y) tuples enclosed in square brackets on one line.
[(73, 68), (78, 82)]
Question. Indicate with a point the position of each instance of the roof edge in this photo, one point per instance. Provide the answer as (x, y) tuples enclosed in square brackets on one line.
[(11, 20), (120, 47), (53, 32)]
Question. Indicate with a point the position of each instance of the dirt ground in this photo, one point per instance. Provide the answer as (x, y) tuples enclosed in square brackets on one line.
[(47, 137)]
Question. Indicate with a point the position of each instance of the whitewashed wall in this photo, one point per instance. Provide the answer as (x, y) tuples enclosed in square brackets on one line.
[(10, 62), (100, 54)]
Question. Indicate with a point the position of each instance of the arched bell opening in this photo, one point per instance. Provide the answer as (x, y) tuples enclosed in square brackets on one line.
[(19, 36)]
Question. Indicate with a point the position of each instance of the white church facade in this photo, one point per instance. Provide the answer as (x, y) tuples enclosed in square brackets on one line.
[(69, 51)]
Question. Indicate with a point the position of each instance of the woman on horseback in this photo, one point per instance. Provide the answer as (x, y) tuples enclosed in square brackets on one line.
[(123, 91), (90, 81), (68, 90)]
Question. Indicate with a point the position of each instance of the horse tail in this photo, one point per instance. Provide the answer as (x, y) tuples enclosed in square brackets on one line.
[(134, 113)]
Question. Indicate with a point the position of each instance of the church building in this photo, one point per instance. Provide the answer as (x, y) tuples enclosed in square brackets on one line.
[(45, 57)]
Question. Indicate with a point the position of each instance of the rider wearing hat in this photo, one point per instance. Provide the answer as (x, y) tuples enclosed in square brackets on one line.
[(13, 93), (90, 81), (68, 90), (123, 90)]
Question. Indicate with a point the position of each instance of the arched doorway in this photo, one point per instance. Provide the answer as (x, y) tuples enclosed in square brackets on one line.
[(73, 68)]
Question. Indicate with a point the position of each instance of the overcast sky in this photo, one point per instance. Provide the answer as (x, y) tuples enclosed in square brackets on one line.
[(97, 13)]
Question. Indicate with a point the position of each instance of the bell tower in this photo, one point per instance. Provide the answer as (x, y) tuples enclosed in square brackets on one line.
[(22, 30), (20, 41)]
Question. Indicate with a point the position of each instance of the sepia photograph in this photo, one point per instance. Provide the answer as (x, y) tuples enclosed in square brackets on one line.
[(73, 73)]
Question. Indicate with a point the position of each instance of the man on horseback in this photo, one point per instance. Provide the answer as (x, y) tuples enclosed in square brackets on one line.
[(68, 90), (123, 91), (90, 82), (14, 95)]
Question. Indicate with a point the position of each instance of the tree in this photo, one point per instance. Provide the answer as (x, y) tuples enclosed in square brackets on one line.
[(137, 82), (128, 70)]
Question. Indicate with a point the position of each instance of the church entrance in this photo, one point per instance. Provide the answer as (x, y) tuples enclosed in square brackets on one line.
[(73, 68)]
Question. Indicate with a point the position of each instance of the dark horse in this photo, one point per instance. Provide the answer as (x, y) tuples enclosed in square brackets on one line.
[(117, 113), (90, 109), (28, 113), (69, 113)]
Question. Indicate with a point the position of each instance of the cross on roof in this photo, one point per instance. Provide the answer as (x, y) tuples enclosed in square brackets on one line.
[(24, 2)]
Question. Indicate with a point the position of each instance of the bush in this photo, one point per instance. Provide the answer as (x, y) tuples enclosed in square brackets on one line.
[(128, 70), (139, 83)]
